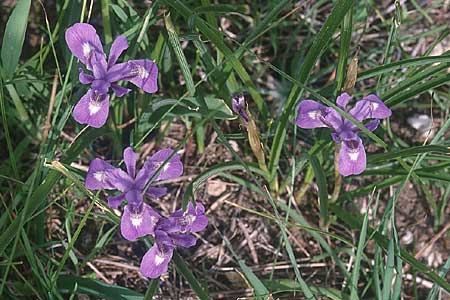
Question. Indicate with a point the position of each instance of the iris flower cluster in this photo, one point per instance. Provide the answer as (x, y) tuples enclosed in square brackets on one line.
[(352, 156), (140, 219), (84, 43)]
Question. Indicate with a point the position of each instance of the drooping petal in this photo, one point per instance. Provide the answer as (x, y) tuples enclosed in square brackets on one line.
[(96, 178), (372, 125), (370, 107), (84, 78), (155, 263), (342, 100), (183, 240), (311, 114), (115, 201), (138, 221), (144, 74), (378, 109), (156, 192), (352, 157), (119, 90), (92, 109), (83, 41), (119, 45), (130, 157), (120, 180), (170, 170)]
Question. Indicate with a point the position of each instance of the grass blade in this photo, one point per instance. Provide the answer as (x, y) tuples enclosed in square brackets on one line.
[(14, 37)]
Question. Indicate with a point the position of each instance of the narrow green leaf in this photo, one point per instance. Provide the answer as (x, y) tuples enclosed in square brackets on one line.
[(323, 188), (14, 37), (187, 274)]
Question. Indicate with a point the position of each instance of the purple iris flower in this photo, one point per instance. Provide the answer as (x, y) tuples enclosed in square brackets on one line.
[(93, 107), (239, 106), (172, 232), (352, 156), (138, 218)]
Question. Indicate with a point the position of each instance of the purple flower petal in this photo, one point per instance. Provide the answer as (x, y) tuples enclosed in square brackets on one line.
[(171, 169), (144, 74), (370, 107), (96, 178), (130, 157), (377, 108), (372, 125), (155, 262), (134, 196), (92, 109), (156, 192), (119, 91), (138, 221), (99, 65), (83, 41), (183, 240), (119, 45), (120, 179), (192, 220), (352, 157), (118, 72), (311, 114), (85, 78), (115, 201), (342, 100)]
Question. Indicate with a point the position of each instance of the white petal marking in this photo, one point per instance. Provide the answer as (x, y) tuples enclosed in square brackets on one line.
[(100, 176), (159, 259), (94, 107), (136, 220), (354, 155), (86, 49), (314, 114)]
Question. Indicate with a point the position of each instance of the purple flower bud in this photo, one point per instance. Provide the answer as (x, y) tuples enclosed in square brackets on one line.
[(239, 106)]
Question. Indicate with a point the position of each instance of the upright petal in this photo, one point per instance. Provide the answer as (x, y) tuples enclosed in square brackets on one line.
[(138, 221), (130, 157), (370, 107), (83, 40), (115, 201), (120, 180), (311, 114), (144, 74), (171, 169), (134, 196), (156, 192), (119, 45), (96, 178), (352, 157), (342, 100), (92, 109), (372, 125), (119, 90), (99, 65), (155, 262), (84, 78)]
